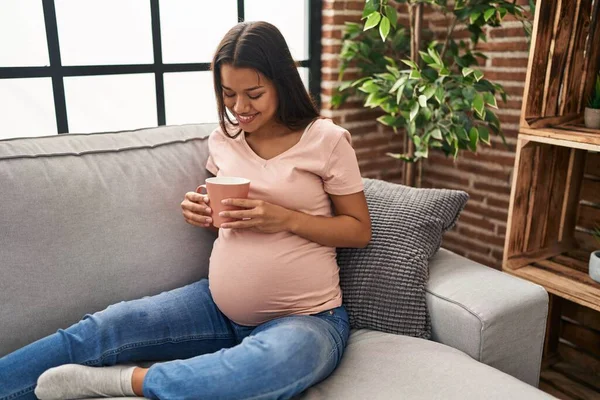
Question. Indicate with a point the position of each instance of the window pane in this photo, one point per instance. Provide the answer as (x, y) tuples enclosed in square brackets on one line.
[(304, 76), (291, 19), (106, 32), (191, 30), (110, 103), (27, 107), (22, 34), (190, 98)]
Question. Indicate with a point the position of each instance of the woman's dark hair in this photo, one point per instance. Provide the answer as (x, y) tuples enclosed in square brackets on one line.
[(260, 46)]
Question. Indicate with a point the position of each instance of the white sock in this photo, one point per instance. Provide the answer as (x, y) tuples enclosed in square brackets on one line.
[(72, 381)]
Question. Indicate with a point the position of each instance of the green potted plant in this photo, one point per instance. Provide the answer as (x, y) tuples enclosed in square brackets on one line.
[(592, 111), (595, 258), (432, 91)]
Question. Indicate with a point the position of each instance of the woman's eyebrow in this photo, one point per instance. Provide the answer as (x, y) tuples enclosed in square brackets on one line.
[(247, 90)]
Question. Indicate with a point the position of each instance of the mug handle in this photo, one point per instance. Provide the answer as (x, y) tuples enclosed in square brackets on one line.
[(199, 190)]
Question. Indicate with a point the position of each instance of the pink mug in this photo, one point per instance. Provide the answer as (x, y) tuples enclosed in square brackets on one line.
[(220, 188)]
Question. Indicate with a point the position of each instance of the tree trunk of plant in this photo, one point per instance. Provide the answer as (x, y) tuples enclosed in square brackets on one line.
[(416, 22)]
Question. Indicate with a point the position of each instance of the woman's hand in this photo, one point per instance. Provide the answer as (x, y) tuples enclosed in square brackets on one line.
[(258, 216), (196, 210)]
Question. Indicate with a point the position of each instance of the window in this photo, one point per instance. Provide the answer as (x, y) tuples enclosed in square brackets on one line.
[(107, 65)]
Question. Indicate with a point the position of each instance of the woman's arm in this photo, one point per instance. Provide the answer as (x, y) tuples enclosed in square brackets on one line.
[(350, 227)]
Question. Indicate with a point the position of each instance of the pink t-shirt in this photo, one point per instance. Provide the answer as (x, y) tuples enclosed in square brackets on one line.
[(255, 277)]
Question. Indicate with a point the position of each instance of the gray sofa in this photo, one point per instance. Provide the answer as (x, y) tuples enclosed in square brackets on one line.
[(88, 220)]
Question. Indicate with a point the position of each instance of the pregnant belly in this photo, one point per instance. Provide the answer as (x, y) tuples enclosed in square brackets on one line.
[(255, 277)]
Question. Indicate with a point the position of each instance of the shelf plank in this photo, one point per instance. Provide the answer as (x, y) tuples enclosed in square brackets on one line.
[(576, 356), (578, 374), (548, 388), (572, 262), (563, 281), (581, 336), (523, 259), (577, 127), (563, 137), (568, 386)]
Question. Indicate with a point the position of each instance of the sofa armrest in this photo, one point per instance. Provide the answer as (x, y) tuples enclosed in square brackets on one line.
[(496, 318)]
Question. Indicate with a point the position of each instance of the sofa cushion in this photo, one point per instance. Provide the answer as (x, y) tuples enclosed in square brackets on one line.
[(384, 366), (62, 254), (383, 285)]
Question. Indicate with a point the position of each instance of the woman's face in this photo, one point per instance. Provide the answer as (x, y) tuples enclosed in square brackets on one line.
[(249, 96)]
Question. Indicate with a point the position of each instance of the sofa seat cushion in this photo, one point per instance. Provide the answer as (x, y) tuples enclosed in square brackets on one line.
[(383, 366)]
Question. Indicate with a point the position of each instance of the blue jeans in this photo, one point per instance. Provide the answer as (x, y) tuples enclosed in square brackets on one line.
[(203, 354)]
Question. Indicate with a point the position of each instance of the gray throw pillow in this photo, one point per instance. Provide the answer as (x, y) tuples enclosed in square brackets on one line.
[(383, 285)]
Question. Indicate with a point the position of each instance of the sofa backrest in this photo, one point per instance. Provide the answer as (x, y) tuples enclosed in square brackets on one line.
[(88, 220)]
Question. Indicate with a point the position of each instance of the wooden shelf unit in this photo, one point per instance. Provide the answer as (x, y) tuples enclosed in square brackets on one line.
[(555, 196), (551, 154)]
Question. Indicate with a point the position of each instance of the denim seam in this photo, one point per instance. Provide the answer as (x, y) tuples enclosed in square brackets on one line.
[(151, 343), (294, 383), (342, 330), (19, 393)]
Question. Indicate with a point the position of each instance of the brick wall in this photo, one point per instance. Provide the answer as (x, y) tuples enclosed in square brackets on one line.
[(486, 176)]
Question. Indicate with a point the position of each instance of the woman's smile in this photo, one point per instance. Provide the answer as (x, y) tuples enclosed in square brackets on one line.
[(246, 119)]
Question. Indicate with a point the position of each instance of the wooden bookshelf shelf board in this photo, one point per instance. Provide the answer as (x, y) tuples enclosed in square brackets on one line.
[(560, 136), (563, 276)]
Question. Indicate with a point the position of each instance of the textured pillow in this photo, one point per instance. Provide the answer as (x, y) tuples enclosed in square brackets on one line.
[(383, 285)]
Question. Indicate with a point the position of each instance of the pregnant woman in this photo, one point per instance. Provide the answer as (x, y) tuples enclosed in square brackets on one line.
[(269, 321)]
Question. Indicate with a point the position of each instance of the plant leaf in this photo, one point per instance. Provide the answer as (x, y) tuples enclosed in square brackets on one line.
[(359, 81), (474, 17), (392, 15), (467, 71), (502, 11), (436, 134), (372, 20), (414, 110), (387, 120), (478, 75), (429, 92), (369, 87), (439, 94), (423, 101), (490, 99), (422, 153), (370, 7), (473, 137), (400, 93), (426, 57), (410, 63), (393, 70), (489, 14), (484, 134), (401, 81), (391, 61), (478, 104), (344, 86), (461, 133), (384, 28), (436, 57), (415, 74)]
